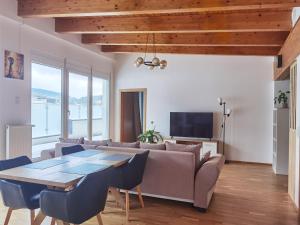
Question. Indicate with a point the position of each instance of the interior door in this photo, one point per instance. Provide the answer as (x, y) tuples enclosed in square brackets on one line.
[(133, 105), (292, 132)]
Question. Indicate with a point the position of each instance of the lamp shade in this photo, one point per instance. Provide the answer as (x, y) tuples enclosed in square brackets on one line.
[(220, 100), (228, 112)]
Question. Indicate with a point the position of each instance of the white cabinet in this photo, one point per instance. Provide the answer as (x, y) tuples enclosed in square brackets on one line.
[(281, 141)]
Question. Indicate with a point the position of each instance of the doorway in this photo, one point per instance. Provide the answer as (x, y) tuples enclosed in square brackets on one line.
[(133, 114)]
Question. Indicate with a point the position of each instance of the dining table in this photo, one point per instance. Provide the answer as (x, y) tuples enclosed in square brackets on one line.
[(64, 172)]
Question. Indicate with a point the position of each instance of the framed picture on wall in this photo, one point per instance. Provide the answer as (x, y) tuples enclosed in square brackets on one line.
[(13, 65)]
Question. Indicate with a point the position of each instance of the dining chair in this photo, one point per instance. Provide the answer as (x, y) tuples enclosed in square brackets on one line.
[(82, 203), (130, 176), (19, 195), (71, 149)]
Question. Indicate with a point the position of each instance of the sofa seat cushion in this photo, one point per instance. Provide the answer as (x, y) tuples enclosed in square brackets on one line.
[(97, 143), (153, 146), (124, 144), (72, 140), (185, 148)]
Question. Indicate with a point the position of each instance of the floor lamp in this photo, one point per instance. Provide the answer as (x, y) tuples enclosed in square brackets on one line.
[(226, 114)]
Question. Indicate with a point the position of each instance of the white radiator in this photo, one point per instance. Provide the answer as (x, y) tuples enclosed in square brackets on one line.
[(18, 141)]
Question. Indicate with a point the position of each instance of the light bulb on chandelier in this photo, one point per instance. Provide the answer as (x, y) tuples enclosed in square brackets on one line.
[(156, 62)]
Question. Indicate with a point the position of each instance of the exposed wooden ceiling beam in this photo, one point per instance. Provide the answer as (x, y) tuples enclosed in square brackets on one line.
[(191, 39), (220, 50), (204, 22), (74, 8), (289, 51)]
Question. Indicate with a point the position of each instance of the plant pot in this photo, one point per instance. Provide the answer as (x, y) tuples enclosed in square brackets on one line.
[(285, 105)]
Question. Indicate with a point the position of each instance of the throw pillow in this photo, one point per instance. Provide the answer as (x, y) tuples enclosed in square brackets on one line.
[(204, 159), (72, 140), (153, 146), (124, 144), (185, 148), (98, 143)]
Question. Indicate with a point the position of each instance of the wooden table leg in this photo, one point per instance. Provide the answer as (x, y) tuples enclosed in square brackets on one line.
[(39, 218), (118, 197)]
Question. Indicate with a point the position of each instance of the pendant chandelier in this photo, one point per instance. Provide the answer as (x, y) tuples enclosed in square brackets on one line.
[(156, 62)]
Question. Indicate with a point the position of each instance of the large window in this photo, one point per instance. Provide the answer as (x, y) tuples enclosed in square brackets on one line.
[(78, 106), (73, 106), (100, 108), (46, 103)]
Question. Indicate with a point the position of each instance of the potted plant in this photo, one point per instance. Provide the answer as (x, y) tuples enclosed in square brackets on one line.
[(151, 136), (282, 99)]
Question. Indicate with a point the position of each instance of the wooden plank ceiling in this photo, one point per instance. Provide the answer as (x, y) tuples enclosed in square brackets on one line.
[(235, 27)]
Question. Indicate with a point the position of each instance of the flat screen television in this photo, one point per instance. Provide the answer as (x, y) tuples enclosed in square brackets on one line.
[(194, 125)]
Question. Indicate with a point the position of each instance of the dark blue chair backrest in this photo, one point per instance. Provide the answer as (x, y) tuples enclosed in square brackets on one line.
[(72, 149), (85, 201), (133, 171), (16, 194), (16, 162)]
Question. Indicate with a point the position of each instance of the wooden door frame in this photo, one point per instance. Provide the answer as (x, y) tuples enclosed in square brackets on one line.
[(144, 90)]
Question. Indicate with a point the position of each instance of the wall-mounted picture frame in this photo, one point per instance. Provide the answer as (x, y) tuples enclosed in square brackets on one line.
[(13, 65)]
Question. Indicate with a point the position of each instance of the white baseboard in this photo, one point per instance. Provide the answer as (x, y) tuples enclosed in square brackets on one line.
[(163, 197)]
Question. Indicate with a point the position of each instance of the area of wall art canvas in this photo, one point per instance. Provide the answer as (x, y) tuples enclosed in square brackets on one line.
[(13, 65)]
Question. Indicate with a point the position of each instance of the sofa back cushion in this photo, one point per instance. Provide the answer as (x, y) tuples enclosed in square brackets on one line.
[(97, 143), (153, 146), (123, 144), (72, 140), (186, 148), (167, 173)]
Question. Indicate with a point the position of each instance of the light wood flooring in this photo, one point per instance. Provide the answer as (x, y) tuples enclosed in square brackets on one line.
[(246, 195)]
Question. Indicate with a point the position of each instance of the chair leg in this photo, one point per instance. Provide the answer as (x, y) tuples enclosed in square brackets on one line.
[(8, 215), (127, 205), (139, 191), (39, 218), (32, 216), (53, 221), (99, 218), (59, 222)]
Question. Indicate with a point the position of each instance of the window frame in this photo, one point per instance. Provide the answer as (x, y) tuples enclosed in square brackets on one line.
[(68, 66), (47, 62)]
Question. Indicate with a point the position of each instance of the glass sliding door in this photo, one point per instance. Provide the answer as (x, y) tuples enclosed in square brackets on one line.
[(78, 105), (100, 108), (46, 106)]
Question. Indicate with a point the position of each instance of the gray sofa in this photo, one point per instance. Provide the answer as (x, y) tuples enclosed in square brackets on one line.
[(169, 174)]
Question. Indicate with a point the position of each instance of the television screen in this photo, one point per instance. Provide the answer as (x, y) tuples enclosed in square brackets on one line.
[(194, 125)]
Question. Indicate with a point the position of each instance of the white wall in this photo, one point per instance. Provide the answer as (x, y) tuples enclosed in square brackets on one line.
[(297, 158), (193, 83), (15, 95)]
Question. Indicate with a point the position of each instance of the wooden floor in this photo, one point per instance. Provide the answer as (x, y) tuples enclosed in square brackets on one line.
[(245, 195)]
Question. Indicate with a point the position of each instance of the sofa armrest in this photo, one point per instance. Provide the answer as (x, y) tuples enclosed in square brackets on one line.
[(47, 154), (206, 179)]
